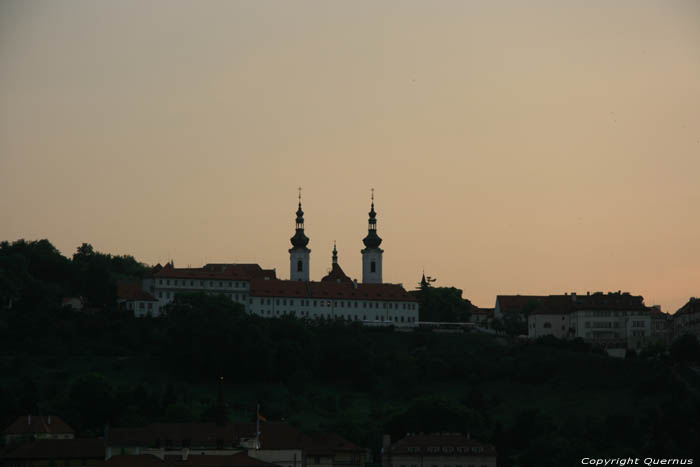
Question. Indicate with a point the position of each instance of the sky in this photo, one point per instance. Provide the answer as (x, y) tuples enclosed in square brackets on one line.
[(536, 147)]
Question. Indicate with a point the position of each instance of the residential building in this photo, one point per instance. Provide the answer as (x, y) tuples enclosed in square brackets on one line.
[(331, 450), (687, 319), (48, 452), (32, 427), (612, 320), (277, 443), (437, 450), (131, 297)]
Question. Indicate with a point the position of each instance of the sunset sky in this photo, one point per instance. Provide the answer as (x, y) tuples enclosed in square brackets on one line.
[(535, 147)]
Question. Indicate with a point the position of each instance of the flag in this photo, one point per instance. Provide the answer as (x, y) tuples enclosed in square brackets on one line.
[(261, 418)]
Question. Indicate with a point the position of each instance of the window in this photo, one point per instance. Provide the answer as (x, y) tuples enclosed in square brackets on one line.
[(373, 267), (300, 266), (150, 305), (547, 325)]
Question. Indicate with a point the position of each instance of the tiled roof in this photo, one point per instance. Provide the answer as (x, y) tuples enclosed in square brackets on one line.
[(141, 460), (28, 424), (561, 304), (328, 290), (87, 448), (693, 306), (322, 444), (131, 290), (422, 445), (216, 271), (235, 460), (275, 435), (336, 275)]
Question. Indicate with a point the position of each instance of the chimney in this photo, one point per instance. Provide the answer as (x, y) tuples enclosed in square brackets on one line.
[(469, 435), (354, 283), (29, 419), (48, 422)]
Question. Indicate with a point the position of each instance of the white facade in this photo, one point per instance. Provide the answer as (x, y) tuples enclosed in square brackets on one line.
[(372, 265), (299, 263), (164, 289), (399, 313)]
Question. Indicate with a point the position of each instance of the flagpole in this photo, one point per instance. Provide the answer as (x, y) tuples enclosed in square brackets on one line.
[(257, 428)]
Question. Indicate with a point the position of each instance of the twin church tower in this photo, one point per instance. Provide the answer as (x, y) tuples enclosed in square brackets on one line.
[(299, 254)]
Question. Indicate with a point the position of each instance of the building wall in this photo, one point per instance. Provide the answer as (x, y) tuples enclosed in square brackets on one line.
[(281, 457), (442, 461), (369, 256), (556, 325), (403, 314), (296, 255), (631, 328), (164, 290)]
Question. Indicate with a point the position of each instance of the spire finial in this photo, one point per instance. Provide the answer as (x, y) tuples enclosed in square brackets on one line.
[(299, 195), (372, 196), (335, 253)]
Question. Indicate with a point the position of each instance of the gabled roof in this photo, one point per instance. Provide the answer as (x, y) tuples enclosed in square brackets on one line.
[(420, 444), (216, 271), (240, 459), (275, 435), (693, 306), (87, 448), (562, 304), (329, 290), (131, 291), (141, 460), (32, 424), (324, 444), (336, 274)]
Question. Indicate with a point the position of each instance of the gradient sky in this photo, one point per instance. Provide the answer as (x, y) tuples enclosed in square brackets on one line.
[(515, 147)]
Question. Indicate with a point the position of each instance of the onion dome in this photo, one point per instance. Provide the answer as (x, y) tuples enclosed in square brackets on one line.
[(372, 240), (299, 240)]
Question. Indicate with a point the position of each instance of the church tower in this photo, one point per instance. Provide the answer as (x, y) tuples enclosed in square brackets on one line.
[(372, 254), (299, 254)]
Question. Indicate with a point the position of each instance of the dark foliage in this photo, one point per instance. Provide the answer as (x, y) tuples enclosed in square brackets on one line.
[(548, 402)]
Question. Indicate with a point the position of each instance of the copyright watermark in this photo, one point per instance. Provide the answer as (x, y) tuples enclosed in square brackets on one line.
[(622, 461)]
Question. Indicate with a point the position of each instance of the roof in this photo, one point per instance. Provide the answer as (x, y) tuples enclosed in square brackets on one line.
[(693, 306), (319, 444), (275, 435), (31, 424), (141, 460), (86, 448), (336, 275), (240, 459), (419, 445), (562, 304), (215, 271), (131, 290), (329, 290)]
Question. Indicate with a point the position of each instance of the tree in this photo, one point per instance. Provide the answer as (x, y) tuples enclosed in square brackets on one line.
[(685, 349)]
